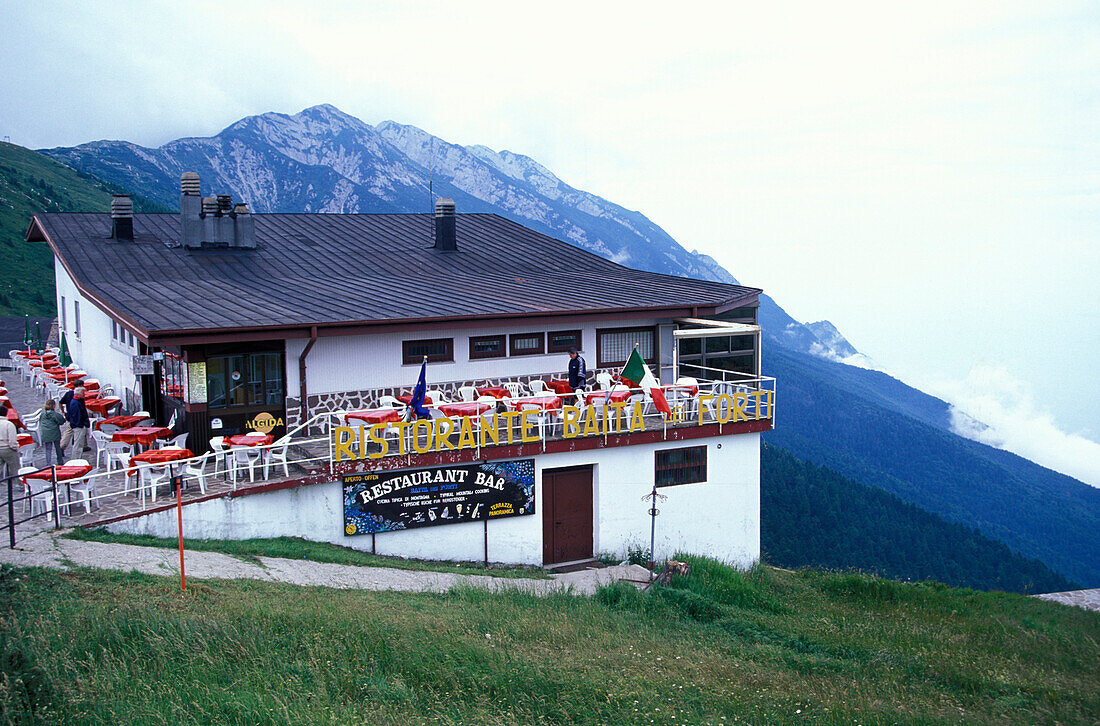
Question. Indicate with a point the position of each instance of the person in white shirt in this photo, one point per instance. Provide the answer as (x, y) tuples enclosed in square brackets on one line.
[(9, 443)]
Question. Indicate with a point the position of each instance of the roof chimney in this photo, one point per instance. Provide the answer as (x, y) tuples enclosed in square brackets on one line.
[(190, 208), (445, 224), (122, 218), (213, 221)]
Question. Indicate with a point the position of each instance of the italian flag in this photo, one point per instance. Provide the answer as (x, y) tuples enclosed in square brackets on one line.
[(638, 375)]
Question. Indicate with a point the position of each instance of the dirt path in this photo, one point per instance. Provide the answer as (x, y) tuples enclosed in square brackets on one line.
[(49, 549)]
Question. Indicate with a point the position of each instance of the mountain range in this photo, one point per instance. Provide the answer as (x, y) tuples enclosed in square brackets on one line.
[(859, 422)]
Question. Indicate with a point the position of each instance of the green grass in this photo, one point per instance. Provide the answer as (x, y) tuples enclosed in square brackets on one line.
[(296, 548), (89, 647)]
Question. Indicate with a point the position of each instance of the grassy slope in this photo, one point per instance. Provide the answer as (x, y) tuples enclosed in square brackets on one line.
[(763, 647), (31, 183)]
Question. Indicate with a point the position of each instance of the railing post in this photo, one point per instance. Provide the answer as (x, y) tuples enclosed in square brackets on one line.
[(56, 508), (11, 515), (331, 453)]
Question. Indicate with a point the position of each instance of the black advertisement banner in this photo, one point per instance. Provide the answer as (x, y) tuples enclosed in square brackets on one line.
[(384, 501)]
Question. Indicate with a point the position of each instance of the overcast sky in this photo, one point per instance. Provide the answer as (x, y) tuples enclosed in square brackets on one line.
[(927, 177)]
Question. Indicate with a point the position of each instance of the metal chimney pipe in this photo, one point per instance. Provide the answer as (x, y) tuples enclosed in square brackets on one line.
[(445, 224)]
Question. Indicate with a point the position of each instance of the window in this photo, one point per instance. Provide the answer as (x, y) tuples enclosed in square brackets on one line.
[(114, 330), (76, 318), (527, 343), (560, 341), (613, 346), (438, 350), (131, 336), (245, 380), (680, 466), (487, 346), (64, 312), (171, 376)]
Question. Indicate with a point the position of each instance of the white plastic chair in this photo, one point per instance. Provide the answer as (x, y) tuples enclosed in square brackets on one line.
[(537, 386), (467, 393), (278, 454), (217, 443), (389, 402), (515, 390), (151, 477), (603, 379), (116, 450), (23, 471), (101, 441), (437, 396), (173, 443), (86, 489), (196, 468), (244, 456)]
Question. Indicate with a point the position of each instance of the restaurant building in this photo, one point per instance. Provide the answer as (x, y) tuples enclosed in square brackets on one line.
[(222, 322)]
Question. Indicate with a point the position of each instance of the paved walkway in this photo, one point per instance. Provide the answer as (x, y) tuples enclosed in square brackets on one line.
[(49, 549), (1087, 599)]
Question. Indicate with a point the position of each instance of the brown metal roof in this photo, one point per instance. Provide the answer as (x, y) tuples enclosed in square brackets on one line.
[(354, 269)]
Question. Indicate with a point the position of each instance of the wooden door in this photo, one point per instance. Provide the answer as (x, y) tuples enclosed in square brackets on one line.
[(566, 514)]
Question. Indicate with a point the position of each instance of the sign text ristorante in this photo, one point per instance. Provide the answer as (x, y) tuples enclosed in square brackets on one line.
[(515, 427)]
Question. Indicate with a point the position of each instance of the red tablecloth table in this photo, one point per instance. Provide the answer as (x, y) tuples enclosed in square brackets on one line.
[(25, 440), (90, 386), (545, 402), (35, 363), (13, 416), (142, 435), (123, 422), (157, 456), (103, 405), (248, 440), (375, 415), (594, 398), (559, 386), (469, 408), (407, 399), (64, 375), (64, 473), (497, 392)]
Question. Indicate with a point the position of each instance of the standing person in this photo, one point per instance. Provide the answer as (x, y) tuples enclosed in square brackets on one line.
[(49, 432), (66, 429), (578, 374), (9, 443), (77, 416)]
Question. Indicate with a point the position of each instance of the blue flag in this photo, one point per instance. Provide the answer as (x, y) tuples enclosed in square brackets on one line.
[(417, 402)]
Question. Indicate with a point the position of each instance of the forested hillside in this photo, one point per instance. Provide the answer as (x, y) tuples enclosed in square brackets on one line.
[(813, 517), (828, 417), (31, 183)]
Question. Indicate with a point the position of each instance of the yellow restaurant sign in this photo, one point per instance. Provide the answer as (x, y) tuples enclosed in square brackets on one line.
[(521, 427)]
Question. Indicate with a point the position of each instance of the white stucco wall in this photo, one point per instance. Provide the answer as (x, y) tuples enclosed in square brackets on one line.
[(94, 349), (719, 517), (350, 363)]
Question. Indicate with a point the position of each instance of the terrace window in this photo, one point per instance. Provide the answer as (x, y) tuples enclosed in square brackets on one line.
[(487, 346), (560, 341), (527, 343), (680, 466), (437, 350), (613, 346), (255, 379)]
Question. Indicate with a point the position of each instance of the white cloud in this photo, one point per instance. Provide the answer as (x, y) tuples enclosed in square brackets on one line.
[(996, 408)]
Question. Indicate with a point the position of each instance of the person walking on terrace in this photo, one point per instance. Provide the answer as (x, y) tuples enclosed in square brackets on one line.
[(49, 432), (77, 416), (578, 373), (9, 443)]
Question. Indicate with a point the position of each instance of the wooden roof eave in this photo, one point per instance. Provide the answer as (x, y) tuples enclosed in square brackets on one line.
[(36, 232)]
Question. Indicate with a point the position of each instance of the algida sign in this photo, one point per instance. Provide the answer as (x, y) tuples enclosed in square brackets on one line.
[(384, 501)]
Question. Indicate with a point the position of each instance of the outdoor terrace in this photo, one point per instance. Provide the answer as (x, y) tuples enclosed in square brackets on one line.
[(504, 421)]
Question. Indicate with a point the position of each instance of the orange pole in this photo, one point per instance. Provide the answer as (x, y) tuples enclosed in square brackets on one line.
[(179, 516)]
